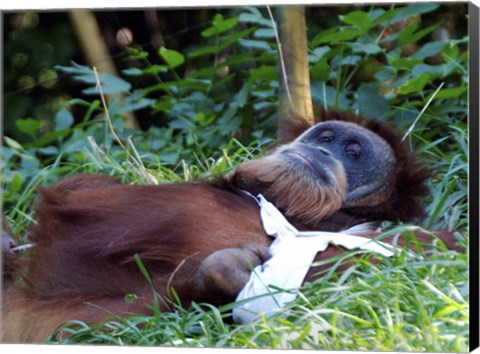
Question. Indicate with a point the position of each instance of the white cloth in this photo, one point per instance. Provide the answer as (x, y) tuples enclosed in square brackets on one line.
[(274, 283)]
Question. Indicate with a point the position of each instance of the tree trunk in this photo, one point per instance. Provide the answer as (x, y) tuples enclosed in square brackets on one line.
[(295, 101), (94, 48)]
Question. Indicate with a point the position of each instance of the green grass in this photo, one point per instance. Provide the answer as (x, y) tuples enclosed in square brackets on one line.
[(400, 305)]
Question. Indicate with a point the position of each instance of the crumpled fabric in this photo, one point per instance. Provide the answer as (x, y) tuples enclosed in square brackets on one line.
[(274, 283)]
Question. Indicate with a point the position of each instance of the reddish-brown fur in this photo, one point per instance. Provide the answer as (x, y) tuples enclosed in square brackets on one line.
[(89, 228)]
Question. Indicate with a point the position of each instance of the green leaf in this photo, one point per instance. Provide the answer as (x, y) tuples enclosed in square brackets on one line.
[(451, 51), (264, 73), (113, 84), (320, 71), (63, 119), (220, 25), (181, 124), (131, 104), (327, 94), (385, 17), (430, 49), (406, 35), (164, 104), (204, 50), (433, 70), (376, 13), (264, 33), (110, 84), (450, 68), (318, 53), (48, 150), (254, 44), (137, 54), (451, 92), (255, 17), (132, 72), (349, 60), (415, 9), (13, 144), (422, 33), (52, 137), (385, 74), (29, 126), (16, 182), (75, 69), (371, 103), (360, 19), (342, 34), (171, 57), (227, 41), (156, 69), (415, 85), (241, 97), (404, 63), (367, 48), (394, 15)]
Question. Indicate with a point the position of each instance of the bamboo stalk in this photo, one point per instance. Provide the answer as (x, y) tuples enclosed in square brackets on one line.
[(295, 99), (94, 47)]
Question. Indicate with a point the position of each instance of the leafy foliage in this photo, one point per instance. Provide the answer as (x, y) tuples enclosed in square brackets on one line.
[(214, 103)]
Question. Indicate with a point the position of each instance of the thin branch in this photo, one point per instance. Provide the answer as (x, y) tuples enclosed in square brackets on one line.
[(412, 127), (280, 56), (104, 103)]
